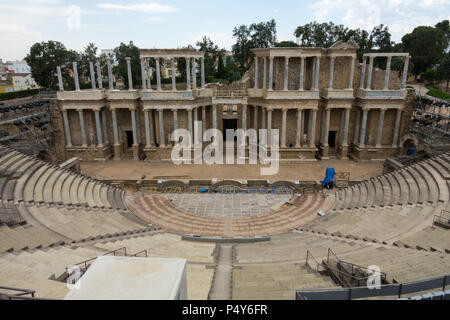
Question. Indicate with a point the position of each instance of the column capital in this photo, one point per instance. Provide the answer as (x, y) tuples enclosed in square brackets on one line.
[(127, 58), (160, 109), (174, 110), (80, 110), (284, 109)]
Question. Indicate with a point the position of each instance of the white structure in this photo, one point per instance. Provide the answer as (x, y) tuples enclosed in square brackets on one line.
[(19, 67), (132, 278), (23, 81)]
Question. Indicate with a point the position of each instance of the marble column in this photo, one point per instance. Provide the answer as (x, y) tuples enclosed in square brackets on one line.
[(134, 126), (283, 127), (298, 135), (302, 73), (313, 75), (174, 79), (194, 73), (67, 128), (256, 73), (244, 117), (99, 76), (405, 72), (369, 74), (204, 118), (147, 129), (344, 140), (326, 127), (60, 81), (263, 120), (162, 138), (110, 77), (82, 128), (150, 120), (158, 75), (115, 128), (188, 74), (271, 74), (105, 128), (316, 78), (138, 126), (352, 73), (175, 119), (387, 73), (143, 77), (357, 125), (397, 128), (362, 139), (214, 116), (255, 117), (312, 136), (130, 77), (190, 128), (330, 81), (380, 128), (269, 125), (75, 76), (286, 73), (363, 73), (202, 60), (92, 72), (99, 128), (264, 86)]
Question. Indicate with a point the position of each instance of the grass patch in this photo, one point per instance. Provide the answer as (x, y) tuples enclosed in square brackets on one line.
[(437, 93)]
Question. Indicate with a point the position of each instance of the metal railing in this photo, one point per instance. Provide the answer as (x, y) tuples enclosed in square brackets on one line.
[(86, 263), (395, 289), (20, 293)]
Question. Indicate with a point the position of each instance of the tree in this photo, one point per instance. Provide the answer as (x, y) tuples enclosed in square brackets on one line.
[(88, 55), (443, 71), (128, 50), (263, 34), (444, 26), (426, 45), (257, 35), (221, 71), (286, 44), (43, 59), (241, 49), (212, 54)]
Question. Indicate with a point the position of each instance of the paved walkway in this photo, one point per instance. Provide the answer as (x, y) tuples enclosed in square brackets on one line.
[(226, 205), (309, 171)]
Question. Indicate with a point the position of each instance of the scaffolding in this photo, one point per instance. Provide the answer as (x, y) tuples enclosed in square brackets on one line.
[(27, 126)]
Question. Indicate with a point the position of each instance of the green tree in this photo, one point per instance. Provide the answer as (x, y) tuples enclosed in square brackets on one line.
[(123, 51), (444, 26), (263, 34), (426, 45), (286, 44), (212, 54), (43, 59), (221, 71), (241, 49), (443, 70), (89, 54), (257, 35)]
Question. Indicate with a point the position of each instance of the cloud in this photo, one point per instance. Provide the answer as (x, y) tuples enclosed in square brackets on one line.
[(223, 40), (150, 7), (19, 38), (401, 16)]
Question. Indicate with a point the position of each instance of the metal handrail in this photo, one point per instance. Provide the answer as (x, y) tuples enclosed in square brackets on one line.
[(138, 253), (85, 262), (22, 292)]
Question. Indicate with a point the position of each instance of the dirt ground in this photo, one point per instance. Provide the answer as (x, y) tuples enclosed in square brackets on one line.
[(133, 170)]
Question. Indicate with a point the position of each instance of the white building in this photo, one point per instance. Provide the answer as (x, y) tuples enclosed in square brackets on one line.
[(23, 81), (19, 67)]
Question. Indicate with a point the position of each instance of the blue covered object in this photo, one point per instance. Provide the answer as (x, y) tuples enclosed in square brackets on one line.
[(411, 151), (203, 190), (329, 176)]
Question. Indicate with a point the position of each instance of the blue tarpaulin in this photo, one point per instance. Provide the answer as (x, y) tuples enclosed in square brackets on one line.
[(329, 176)]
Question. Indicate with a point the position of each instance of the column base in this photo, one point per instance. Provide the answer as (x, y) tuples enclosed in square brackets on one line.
[(323, 151), (117, 152), (343, 152), (135, 149)]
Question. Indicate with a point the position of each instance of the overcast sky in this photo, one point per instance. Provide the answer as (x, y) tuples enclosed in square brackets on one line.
[(174, 23)]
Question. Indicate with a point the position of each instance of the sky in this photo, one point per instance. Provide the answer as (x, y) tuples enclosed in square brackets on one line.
[(175, 23)]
